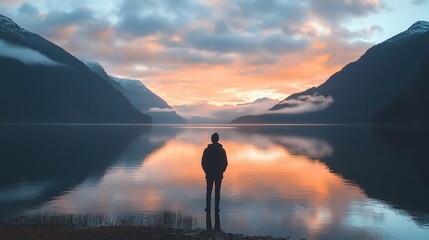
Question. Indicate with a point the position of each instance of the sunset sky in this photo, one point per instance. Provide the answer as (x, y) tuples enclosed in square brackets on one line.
[(220, 52)]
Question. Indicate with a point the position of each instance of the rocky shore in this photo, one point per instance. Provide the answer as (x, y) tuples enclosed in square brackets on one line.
[(18, 232)]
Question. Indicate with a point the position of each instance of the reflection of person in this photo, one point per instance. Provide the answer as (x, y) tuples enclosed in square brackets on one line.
[(214, 163)]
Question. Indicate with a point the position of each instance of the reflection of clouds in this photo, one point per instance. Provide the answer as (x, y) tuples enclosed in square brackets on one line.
[(315, 219), (23, 191), (161, 134), (200, 136), (306, 146), (250, 153), (311, 147), (267, 189), (158, 139), (369, 212)]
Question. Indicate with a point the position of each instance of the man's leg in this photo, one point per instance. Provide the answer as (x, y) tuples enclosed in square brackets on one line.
[(208, 221), (209, 193), (217, 222), (218, 184)]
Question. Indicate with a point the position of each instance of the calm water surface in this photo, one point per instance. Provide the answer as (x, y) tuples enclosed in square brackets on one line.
[(313, 182)]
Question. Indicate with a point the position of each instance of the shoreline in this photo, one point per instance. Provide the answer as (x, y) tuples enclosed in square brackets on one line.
[(157, 225), (15, 232)]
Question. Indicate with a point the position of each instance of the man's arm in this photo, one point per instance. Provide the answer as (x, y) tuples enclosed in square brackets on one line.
[(225, 160), (204, 160)]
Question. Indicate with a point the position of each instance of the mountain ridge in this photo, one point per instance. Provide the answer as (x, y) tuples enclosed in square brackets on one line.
[(361, 88)]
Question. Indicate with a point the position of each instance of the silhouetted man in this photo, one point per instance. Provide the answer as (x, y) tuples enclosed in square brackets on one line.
[(214, 163)]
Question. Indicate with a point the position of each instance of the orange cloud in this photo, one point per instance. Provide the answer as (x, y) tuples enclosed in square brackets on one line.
[(180, 82)]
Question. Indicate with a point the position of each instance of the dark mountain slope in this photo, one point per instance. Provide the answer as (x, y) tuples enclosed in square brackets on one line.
[(63, 92), (411, 106)]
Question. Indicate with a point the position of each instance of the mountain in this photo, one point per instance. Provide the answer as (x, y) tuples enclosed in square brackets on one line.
[(42, 83), (411, 106), (361, 90), (140, 96)]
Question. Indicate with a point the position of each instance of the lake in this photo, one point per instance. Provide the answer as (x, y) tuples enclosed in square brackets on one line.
[(303, 181)]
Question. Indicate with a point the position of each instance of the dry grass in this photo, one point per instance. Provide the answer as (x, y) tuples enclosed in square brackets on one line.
[(66, 233), (156, 226), (163, 219)]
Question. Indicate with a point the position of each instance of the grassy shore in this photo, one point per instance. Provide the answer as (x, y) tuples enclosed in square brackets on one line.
[(158, 225)]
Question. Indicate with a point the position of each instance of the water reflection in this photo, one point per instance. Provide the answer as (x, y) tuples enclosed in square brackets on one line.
[(387, 163), (41, 162), (325, 182)]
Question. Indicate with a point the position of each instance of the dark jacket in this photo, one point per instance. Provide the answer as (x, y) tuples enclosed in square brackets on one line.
[(214, 161)]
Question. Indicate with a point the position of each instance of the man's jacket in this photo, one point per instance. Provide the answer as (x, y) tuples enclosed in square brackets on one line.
[(214, 161)]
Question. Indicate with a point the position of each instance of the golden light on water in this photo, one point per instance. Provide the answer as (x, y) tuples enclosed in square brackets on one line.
[(169, 176)]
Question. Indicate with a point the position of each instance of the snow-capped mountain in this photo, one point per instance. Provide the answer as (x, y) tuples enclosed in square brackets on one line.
[(8, 25), (362, 90), (130, 83), (41, 82), (140, 96), (416, 29), (124, 82)]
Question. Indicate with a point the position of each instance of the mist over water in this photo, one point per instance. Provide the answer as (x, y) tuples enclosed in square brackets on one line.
[(314, 182)]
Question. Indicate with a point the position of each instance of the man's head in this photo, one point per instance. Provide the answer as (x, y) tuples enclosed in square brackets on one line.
[(215, 137)]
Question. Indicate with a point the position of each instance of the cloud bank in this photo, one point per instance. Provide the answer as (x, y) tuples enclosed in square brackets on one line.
[(25, 55), (304, 104), (157, 109)]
